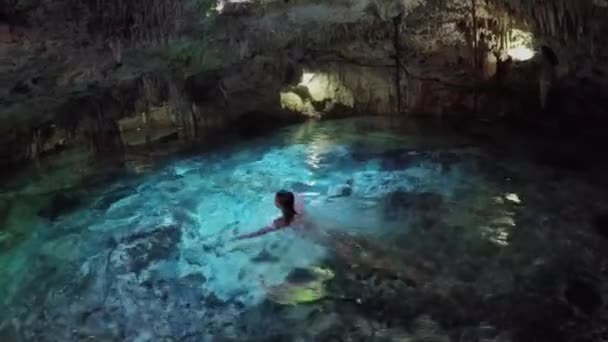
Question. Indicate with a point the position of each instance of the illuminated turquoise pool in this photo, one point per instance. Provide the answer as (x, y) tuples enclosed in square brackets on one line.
[(434, 236)]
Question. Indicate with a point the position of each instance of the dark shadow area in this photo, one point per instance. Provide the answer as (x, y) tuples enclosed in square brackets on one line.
[(257, 124)]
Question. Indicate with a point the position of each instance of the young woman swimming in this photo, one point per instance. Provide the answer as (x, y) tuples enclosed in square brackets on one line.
[(292, 210)]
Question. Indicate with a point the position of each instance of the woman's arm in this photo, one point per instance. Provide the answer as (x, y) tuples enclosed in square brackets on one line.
[(276, 225)]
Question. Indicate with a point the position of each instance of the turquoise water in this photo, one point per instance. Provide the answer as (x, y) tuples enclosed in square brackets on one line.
[(434, 236)]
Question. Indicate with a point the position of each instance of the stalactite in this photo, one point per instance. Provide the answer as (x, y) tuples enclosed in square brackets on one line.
[(397, 47), (475, 37), (561, 13), (134, 22)]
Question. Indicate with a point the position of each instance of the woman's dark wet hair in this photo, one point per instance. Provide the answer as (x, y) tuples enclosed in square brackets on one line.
[(287, 201)]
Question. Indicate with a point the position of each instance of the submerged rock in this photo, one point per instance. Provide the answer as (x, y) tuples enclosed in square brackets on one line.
[(138, 251), (193, 280), (399, 204), (300, 275), (265, 256), (400, 159), (111, 197), (9, 333), (5, 207), (6, 240), (342, 190), (302, 286), (310, 274), (60, 204)]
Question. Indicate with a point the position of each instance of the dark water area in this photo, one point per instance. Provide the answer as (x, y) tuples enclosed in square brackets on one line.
[(429, 233)]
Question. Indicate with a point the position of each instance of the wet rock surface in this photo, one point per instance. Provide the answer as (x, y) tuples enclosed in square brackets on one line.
[(234, 74), (60, 204), (113, 196), (343, 190), (265, 256), (138, 251)]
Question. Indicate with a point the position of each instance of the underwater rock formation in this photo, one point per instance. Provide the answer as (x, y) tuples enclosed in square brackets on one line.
[(438, 240), (138, 251)]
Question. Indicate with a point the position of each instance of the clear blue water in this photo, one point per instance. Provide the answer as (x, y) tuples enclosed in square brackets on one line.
[(432, 234)]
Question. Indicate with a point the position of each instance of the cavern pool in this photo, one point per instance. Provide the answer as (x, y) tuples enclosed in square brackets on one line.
[(435, 237)]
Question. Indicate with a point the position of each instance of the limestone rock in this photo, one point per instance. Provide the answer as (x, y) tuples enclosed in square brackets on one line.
[(342, 190), (140, 250), (86, 78), (60, 204)]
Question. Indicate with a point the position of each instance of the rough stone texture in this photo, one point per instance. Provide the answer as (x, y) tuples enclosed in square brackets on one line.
[(573, 31), (71, 73), (136, 252)]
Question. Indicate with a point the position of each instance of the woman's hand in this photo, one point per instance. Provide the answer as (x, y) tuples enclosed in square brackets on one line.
[(238, 238)]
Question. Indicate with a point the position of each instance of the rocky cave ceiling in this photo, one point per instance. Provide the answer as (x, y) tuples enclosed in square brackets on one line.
[(54, 52), (51, 47)]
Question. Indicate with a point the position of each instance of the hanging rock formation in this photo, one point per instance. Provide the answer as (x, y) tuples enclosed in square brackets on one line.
[(113, 74)]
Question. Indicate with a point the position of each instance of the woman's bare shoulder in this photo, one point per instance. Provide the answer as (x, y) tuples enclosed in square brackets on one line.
[(299, 203)]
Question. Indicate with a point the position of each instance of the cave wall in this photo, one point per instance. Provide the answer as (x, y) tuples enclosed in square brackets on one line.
[(573, 55), (357, 42), (110, 74)]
